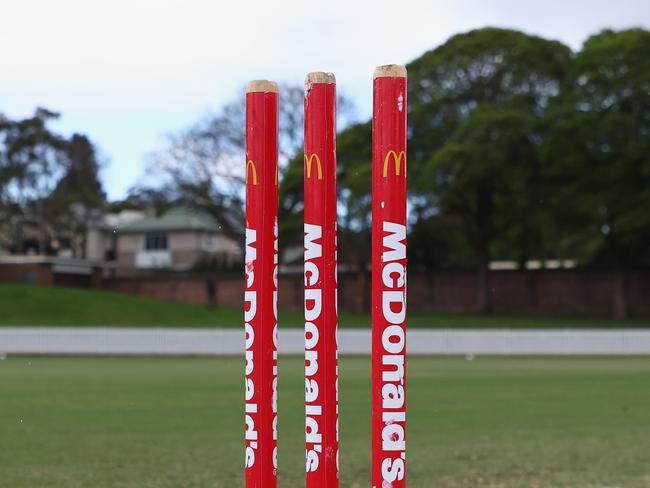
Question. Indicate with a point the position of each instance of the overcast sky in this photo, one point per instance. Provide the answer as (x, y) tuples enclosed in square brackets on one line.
[(127, 72)]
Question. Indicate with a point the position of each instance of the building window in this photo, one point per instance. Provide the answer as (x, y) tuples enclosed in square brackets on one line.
[(155, 242)]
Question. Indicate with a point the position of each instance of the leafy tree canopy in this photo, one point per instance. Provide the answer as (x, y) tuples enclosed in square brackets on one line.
[(597, 151)]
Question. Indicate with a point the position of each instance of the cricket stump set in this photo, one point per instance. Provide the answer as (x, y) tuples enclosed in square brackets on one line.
[(320, 271)]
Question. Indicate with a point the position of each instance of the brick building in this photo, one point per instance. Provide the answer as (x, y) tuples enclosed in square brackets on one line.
[(176, 240)]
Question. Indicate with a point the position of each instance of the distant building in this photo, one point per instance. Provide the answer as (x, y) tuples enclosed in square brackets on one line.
[(534, 264), (101, 238), (52, 270), (176, 240)]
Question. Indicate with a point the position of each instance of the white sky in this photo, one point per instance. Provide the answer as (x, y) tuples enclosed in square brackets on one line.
[(126, 72)]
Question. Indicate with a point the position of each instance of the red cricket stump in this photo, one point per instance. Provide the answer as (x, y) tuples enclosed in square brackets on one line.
[(389, 278), (260, 300), (321, 356)]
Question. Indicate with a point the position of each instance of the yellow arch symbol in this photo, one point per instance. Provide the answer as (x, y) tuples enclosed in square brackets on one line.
[(308, 163), (250, 164), (397, 158)]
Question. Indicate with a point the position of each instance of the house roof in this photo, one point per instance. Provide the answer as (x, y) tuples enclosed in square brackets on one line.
[(179, 218), (112, 221)]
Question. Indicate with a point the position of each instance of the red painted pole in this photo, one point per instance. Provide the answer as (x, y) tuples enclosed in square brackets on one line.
[(321, 356), (389, 278), (260, 307)]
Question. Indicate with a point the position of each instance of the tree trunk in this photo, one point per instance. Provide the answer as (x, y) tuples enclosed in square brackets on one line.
[(484, 304), (42, 239), (361, 282), (524, 244), (620, 311)]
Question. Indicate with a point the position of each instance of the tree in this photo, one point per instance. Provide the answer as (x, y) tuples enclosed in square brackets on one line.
[(202, 165), (78, 198), (80, 183), (32, 161), (480, 176), (47, 182), (461, 162), (437, 241), (597, 154), (141, 197), (509, 75)]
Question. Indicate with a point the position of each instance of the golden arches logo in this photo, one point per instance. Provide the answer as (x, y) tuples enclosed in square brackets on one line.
[(250, 164), (319, 167), (398, 159)]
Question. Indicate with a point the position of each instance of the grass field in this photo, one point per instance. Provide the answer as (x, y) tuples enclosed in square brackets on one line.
[(170, 423), (33, 305)]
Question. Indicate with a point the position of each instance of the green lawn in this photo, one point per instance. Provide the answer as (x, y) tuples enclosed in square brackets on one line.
[(34, 305), (170, 423)]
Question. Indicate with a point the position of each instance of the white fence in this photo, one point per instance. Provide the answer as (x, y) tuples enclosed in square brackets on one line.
[(180, 342)]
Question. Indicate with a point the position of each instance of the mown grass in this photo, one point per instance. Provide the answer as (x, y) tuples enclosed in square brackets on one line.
[(35, 305), (169, 423)]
